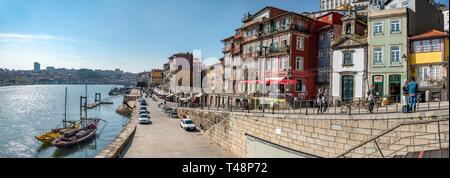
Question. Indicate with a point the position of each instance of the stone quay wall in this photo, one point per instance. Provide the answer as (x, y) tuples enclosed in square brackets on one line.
[(327, 135), (119, 144)]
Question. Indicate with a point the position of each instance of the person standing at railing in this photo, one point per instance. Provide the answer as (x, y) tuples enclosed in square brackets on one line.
[(319, 101), (413, 89), (406, 107), (371, 99)]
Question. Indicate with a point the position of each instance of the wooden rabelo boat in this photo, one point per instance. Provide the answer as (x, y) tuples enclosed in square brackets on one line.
[(58, 132), (78, 136)]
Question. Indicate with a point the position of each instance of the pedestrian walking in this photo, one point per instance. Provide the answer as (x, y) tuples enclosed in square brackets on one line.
[(413, 89), (325, 101)]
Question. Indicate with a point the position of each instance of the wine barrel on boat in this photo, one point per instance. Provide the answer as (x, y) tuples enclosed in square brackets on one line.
[(74, 138)]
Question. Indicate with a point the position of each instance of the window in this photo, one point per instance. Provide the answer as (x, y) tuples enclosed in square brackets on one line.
[(300, 43), (347, 59), (436, 45), (377, 28), (395, 55), (283, 63), (348, 29), (416, 47), (275, 64), (424, 73), (435, 72), (300, 87), (299, 63), (377, 56), (321, 55), (426, 46), (321, 37), (275, 44), (284, 42), (277, 25), (395, 26)]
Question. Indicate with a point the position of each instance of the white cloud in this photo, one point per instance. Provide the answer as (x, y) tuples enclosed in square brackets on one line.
[(30, 37)]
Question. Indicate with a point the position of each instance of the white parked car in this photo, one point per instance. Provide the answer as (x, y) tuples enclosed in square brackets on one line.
[(187, 124), (144, 119)]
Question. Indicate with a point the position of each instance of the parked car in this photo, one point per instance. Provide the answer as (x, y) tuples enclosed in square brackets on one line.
[(144, 119), (168, 110), (144, 104), (187, 124), (173, 114), (143, 108)]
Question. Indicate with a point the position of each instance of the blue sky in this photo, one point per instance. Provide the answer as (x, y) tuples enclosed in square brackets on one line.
[(133, 35)]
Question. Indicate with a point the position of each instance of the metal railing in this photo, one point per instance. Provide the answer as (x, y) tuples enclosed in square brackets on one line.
[(379, 149), (312, 107)]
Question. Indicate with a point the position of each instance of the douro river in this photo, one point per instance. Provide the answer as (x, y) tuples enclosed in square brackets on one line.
[(27, 111)]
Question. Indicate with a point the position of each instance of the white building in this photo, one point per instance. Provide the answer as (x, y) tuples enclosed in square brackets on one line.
[(349, 64), (357, 4), (446, 20)]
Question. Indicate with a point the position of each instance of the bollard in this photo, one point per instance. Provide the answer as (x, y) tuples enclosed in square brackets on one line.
[(349, 108), (273, 110), (306, 110), (300, 107)]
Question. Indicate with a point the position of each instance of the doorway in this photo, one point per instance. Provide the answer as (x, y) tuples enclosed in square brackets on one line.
[(347, 88)]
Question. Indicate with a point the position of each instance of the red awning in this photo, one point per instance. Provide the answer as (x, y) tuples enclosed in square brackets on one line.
[(252, 81), (280, 81)]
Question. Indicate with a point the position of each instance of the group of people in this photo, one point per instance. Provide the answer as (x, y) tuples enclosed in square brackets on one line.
[(410, 92), (322, 101)]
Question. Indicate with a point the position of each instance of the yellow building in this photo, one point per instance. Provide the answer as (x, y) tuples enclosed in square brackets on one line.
[(428, 63)]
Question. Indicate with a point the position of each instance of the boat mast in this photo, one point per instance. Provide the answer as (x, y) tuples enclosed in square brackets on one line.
[(85, 108), (65, 109)]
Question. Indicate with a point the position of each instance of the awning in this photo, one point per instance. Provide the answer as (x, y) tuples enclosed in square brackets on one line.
[(280, 81), (185, 99), (252, 82), (199, 95)]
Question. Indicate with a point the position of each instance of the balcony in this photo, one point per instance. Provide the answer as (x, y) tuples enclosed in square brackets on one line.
[(278, 51), (226, 49)]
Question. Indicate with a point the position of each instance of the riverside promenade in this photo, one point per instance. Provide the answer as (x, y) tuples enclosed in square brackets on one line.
[(164, 138)]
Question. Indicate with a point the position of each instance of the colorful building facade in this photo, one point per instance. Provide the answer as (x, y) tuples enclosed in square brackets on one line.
[(428, 61), (349, 62), (331, 29), (388, 34)]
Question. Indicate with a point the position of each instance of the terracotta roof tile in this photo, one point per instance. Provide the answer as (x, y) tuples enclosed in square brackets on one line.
[(429, 34)]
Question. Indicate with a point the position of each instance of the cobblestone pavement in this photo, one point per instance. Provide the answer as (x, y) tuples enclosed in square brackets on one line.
[(165, 139)]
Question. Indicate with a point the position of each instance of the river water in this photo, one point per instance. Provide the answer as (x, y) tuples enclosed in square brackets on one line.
[(27, 111)]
